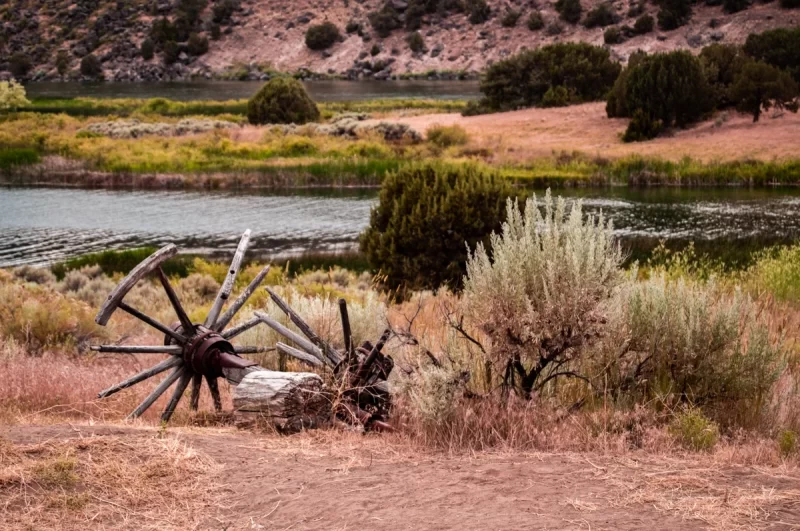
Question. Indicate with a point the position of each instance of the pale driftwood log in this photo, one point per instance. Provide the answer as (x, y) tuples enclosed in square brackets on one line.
[(227, 286), (298, 354), (294, 337), (236, 375), (291, 401), (140, 271), (168, 363), (240, 301), (332, 356), (138, 349), (240, 328), (158, 391)]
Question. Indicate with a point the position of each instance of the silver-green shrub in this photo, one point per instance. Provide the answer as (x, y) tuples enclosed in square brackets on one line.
[(538, 290), (685, 341)]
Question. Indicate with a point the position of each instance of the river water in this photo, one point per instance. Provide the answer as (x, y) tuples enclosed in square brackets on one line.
[(44, 225), (322, 91)]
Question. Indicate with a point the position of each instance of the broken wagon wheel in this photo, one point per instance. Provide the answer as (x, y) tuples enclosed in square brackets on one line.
[(197, 351)]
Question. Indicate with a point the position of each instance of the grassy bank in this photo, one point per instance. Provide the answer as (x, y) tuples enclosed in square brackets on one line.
[(52, 146)]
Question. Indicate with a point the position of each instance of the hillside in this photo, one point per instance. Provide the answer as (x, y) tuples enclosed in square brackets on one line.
[(248, 39)]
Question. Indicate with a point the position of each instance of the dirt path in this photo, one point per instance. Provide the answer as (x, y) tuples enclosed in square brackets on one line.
[(529, 133), (334, 481)]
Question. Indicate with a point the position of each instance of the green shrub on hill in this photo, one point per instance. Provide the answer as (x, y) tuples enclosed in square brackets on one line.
[(761, 86), (197, 45), (282, 100), (478, 10), (510, 19), (147, 49), (415, 42), (586, 73), (721, 64), (19, 65), (424, 220), (569, 10), (778, 47), (674, 13), (535, 21), (601, 16), (384, 21), (91, 67), (644, 24), (322, 36), (668, 88)]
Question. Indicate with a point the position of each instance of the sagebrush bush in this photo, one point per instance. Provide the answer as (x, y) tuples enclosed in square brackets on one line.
[(600, 16), (282, 100), (91, 67), (777, 272), (787, 443), (537, 288), (612, 35), (425, 218), (694, 430), (674, 13), (447, 135), (510, 18), (37, 275), (644, 24), (683, 341), (569, 10), (415, 42), (322, 36), (197, 288)]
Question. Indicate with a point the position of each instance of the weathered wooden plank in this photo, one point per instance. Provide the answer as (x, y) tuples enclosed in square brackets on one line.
[(188, 326), (240, 328), (138, 272), (186, 377), (157, 392), (227, 286), (214, 389), (168, 363), (332, 356), (363, 369), (298, 354), (240, 301), (294, 337), (152, 322), (139, 349)]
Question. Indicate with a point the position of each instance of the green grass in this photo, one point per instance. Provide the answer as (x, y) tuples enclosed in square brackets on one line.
[(123, 261), (84, 107), (10, 157)]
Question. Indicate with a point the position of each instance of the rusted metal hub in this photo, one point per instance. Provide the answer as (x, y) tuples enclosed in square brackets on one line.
[(207, 352)]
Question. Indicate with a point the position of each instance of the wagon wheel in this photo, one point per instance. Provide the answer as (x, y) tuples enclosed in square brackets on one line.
[(197, 351)]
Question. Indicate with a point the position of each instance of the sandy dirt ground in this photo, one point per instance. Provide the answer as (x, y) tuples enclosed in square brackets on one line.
[(521, 135), (335, 481)]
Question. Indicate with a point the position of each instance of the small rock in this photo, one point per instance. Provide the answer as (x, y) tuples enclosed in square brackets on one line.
[(695, 41), (326, 54), (717, 36), (661, 37)]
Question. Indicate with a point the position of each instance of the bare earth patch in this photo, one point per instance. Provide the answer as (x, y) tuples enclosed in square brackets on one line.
[(521, 135), (221, 479)]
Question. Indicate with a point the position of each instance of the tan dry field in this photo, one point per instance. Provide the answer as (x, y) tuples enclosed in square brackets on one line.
[(522, 135), (125, 477)]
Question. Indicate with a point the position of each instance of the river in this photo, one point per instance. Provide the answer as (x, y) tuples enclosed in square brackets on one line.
[(45, 225), (322, 91)]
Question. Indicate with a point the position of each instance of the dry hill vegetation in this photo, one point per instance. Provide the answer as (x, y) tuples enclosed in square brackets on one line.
[(240, 39)]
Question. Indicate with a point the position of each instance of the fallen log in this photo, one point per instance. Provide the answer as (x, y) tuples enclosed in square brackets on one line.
[(290, 401)]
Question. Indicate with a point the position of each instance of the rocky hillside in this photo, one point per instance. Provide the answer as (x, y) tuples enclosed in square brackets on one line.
[(130, 40)]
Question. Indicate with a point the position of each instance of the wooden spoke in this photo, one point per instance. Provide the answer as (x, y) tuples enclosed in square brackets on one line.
[(240, 301), (197, 381), (227, 285), (138, 273), (144, 375), (137, 349), (186, 376), (214, 388), (298, 354), (294, 337), (152, 322), (363, 370), (157, 392), (240, 328), (330, 353), (187, 324), (346, 332), (252, 350)]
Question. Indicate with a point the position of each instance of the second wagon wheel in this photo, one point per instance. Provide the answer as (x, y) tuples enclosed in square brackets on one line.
[(198, 351)]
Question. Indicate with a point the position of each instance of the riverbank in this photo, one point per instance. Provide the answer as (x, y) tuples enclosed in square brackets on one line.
[(56, 143)]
